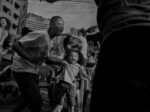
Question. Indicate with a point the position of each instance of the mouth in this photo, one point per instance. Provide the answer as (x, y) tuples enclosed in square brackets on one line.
[(59, 32), (73, 60), (3, 24)]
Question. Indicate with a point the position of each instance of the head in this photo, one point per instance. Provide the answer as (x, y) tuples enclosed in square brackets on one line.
[(5, 23), (73, 57), (56, 26)]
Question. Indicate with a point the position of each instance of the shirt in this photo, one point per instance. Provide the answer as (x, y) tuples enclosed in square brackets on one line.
[(70, 73), (57, 50), (35, 43)]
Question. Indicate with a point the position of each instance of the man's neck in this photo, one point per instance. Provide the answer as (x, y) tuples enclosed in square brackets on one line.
[(50, 34)]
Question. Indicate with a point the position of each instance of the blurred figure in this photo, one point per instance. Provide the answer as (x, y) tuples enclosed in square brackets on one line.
[(122, 71), (80, 35), (31, 49), (4, 35)]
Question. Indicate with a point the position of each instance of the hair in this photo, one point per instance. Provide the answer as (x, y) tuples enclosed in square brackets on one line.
[(8, 23), (55, 18)]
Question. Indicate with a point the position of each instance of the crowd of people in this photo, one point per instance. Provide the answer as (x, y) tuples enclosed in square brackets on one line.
[(121, 82), (66, 55)]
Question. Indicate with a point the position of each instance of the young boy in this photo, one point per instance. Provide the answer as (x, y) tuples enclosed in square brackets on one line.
[(67, 84)]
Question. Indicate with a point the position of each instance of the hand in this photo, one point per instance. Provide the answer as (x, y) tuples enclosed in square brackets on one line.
[(69, 46), (90, 78)]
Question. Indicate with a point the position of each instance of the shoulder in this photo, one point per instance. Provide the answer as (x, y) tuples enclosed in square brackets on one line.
[(77, 65), (33, 35), (80, 67), (63, 37), (34, 39), (38, 32), (3, 32)]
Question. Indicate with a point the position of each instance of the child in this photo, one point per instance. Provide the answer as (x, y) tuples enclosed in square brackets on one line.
[(67, 84)]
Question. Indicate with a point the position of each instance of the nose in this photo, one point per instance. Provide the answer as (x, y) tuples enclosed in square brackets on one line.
[(61, 27)]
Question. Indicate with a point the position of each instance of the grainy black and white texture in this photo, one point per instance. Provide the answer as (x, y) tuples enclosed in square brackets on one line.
[(80, 19)]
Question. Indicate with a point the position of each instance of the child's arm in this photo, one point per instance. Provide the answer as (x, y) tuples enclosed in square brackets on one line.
[(83, 72)]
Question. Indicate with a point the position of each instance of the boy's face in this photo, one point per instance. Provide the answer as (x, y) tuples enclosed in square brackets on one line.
[(73, 57)]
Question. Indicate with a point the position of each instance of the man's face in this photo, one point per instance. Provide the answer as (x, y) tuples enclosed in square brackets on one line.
[(57, 27)]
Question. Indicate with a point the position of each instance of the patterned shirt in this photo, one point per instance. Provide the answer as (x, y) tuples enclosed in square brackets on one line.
[(34, 43), (57, 50)]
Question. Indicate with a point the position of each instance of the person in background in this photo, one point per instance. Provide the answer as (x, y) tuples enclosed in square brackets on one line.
[(31, 49), (122, 73), (4, 35), (82, 42), (67, 84), (72, 42)]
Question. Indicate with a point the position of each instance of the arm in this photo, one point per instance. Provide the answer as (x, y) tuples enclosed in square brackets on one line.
[(5, 69), (16, 47), (84, 74)]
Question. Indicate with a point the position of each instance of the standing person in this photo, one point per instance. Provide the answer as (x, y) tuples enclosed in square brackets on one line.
[(67, 84), (122, 71), (4, 34), (30, 50)]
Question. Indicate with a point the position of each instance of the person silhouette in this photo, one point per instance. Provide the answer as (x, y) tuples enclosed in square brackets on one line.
[(122, 70)]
